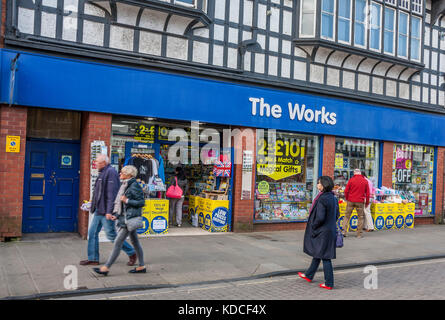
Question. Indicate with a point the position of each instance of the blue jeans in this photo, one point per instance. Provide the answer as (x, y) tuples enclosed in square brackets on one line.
[(110, 230), (327, 268)]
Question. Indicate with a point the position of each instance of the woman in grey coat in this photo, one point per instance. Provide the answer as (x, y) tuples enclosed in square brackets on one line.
[(321, 233), (175, 205)]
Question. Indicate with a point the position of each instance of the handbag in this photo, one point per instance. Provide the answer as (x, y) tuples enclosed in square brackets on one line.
[(339, 240), (134, 223), (174, 191)]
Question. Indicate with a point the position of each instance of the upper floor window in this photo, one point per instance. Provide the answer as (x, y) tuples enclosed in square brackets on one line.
[(327, 19), (389, 29), (307, 19), (404, 4), (375, 26), (344, 21), (415, 38), (416, 6), (403, 35), (360, 23)]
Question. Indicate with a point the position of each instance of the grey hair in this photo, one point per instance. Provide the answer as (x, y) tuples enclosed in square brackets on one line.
[(103, 157), (130, 170)]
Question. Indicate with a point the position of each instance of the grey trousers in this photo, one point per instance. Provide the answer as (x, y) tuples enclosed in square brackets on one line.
[(175, 210), (118, 243)]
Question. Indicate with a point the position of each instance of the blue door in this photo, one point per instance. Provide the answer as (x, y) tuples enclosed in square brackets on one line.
[(51, 187)]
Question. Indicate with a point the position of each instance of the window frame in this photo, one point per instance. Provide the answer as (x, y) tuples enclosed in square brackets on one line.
[(407, 35), (314, 15), (185, 4), (364, 23), (380, 27), (419, 39), (394, 30), (334, 17)]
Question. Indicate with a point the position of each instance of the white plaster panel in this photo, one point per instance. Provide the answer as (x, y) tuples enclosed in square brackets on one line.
[(416, 77), (69, 32), (442, 62), (220, 9), (363, 83), (105, 5), (150, 43), (262, 16), (26, 20), (234, 11), (433, 80), (178, 24), (434, 60), (275, 20), (153, 20), (218, 55), (127, 14), (71, 5), (276, 1), (248, 12), (348, 80), (352, 62), (48, 27), (121, 38), (233, 35), (426, 58), (427, 4), (261, 39), (273, 65), (93, 33), (441, 98), (247, 35), (333, 77), (316, 73), (381, 69), (391, 88), (367, 65), (218, 32), (377, 85), (395, 71), (287, 23), (337, 58), (285, 68), (259, 62), (415, 93), (425, 95), (433, 96), (403, 90), (49, 3), (202, 32), (93, 11), (300, 53), (322, 55), (177, 48), (425, 78), (300, 70), (273, 44), (435, 38), (288, 3), (232, 58), (247, 61), (200, 52), (426, 38), (286, 47)]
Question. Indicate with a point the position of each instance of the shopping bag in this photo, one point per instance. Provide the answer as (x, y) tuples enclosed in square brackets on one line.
[(174, 191), (339, 240)]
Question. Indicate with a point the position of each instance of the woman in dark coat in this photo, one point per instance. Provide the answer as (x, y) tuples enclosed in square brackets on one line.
[(320, 236)]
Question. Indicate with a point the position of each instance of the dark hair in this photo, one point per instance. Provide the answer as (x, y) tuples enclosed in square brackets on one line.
[(364, 174), (327, 183), (180, 173)]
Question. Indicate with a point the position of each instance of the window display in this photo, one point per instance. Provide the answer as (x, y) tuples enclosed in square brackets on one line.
[(413, 171), (351, 154), (285, 176)]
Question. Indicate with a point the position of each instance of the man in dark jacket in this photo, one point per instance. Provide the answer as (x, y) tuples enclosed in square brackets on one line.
[(102, 205), (357, 195)]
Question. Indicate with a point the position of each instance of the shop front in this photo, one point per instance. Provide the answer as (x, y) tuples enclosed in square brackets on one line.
[(147, 117)]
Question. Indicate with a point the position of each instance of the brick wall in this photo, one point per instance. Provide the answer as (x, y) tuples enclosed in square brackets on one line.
[(388, 148), (328, 156), (95, 126), (12, 167), (242, 210)]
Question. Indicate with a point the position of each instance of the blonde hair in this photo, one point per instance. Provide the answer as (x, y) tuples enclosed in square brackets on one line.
[(130, 170)]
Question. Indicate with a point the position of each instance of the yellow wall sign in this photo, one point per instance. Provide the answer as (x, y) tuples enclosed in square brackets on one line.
[(12, 143)]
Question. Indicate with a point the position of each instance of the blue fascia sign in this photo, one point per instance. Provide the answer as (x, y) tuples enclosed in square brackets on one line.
[(55, 82)]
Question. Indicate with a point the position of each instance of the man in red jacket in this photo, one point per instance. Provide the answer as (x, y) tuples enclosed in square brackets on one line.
[(357, 196)]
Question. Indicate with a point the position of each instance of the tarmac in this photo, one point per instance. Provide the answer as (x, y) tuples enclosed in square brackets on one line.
[(42, 266)]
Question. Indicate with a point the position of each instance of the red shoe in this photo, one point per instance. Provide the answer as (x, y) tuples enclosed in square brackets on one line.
[(303, 276), (322, 285)]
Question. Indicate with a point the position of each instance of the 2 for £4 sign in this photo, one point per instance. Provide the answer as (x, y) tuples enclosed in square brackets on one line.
[(282, 160)]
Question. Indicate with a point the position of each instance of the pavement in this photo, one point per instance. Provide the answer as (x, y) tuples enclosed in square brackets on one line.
[(34, 268)]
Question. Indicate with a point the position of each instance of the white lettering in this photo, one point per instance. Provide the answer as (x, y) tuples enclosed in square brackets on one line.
[(264, 106), (309, 115), (254, 102), (276, 111)]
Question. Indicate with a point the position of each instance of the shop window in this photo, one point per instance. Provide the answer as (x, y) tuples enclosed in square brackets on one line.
[(53, 124), (375, 26), (344, 21), (327, 19), (307, 18), (286, 173), (403, 35), (353, 154), (360, 23), (388, 41), (413, 172)]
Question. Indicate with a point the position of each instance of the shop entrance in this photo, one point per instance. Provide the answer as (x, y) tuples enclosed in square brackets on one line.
[(51, 185), (51, 179)]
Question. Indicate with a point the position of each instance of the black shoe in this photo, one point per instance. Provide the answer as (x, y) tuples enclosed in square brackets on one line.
[(138, 271), (97, 270)]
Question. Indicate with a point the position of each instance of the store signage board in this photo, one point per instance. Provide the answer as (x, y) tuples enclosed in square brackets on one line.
[(172, 96)]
